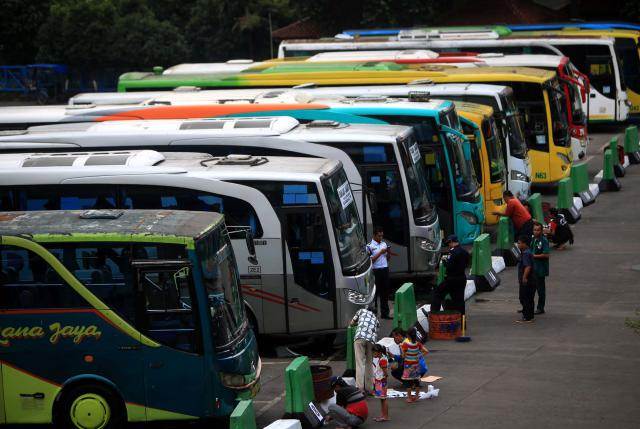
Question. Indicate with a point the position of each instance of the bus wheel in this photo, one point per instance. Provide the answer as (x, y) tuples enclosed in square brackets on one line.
[(89, 406)]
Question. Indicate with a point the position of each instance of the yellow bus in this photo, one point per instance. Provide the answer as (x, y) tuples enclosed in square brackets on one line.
[(479, 124)]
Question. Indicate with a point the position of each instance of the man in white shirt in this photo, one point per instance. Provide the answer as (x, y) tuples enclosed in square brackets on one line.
[(380, 254)]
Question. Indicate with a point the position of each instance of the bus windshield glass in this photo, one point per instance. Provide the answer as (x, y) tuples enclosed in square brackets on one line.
[(465, 181), (423, 210), (493, 140), (221, 280), (559, 114), (345, 221), (451, 119), (577, 115), (629, 56), (517, 140)]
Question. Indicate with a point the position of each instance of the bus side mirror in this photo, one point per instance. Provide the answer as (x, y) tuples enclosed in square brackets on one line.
[(251, 247)]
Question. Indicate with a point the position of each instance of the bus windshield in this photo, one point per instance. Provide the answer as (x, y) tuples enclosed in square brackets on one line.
[(221, 280), (451, 119), (345, 221), (423, 210), (577, 115), (465, 182), (517, 140), (493, 141), (559, 114), (628, 54)]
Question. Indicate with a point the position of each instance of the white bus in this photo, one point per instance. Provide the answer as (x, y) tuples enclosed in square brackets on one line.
[(311, 271), (594, 56), (389, 189)]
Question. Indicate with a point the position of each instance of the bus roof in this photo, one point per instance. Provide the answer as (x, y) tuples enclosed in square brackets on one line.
[(500, 30), (474, 108), (122, 225), (114, 163), (349, 74), (604, 25), (579, 32)]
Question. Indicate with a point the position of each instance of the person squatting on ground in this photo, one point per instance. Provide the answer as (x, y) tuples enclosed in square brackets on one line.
[(519, 215), (380, 253), (455, 279), (411, 350), (380, 375), (540, 250), (397, 366), (559, 230), (350, 409), (526, 279), (365, 337)]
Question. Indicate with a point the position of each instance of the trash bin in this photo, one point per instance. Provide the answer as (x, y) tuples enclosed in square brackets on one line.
[(445, 325), (321, 375)]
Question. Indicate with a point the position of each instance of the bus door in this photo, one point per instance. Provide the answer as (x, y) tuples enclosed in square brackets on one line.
[(309, 279), (602, 78), (167, 312), (435, 164), (385, 194)]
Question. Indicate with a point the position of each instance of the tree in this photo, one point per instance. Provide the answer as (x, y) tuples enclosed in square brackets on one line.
[(19, 21)]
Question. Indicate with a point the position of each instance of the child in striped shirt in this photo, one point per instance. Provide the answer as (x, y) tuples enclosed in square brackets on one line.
[(411, 349)]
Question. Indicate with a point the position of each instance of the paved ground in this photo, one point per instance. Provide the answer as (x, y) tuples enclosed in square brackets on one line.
[(576, 366)]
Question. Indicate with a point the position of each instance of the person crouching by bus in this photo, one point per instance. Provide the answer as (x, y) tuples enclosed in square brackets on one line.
[(519, 215), (365, 337), (350, 409), (380, 254), (455, 279), (559, 230)]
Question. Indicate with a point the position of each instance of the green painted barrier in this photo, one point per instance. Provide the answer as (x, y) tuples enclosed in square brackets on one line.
[(298, 385), (404, 307), (351, 357), (580, 177), (613, 145), (607, 168), (243, 416), (631, 139), (565, 194), (481, 255), (441, 272), (535, 203), (505, 234)]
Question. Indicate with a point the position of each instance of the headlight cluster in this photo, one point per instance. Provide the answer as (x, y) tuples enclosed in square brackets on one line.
[(356, 297), (563, 157), (469, 217), (519, 175), (427, 246), (233, 380)]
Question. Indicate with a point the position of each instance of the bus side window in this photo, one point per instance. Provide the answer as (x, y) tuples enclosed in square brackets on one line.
[(168, 307), (7, 196), (28, 281), (237, 212), (601, 74), (306, 236), (81, 197)]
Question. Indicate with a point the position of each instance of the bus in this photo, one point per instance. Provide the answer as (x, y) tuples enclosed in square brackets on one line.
[(291, 206), (626, 38), (389, 189), (479, 124), (574, 84), (594, 56), (537, 92), (105, 311)]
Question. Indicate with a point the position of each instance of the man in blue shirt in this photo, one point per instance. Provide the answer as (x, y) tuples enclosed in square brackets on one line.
[(526, 279), (380, 254)]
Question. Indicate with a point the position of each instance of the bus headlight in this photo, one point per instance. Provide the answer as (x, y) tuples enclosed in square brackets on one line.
[(427, 246), (469, 217), (356, 297), (519, 175), (563, 157), (233, 381)]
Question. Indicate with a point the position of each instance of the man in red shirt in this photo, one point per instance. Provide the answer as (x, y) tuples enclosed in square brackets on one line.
[(519, 215)]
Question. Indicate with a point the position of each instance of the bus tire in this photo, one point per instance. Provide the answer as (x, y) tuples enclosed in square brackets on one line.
[(89, 406)]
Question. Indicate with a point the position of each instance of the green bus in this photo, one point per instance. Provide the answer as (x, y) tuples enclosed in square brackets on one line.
[(114, 316)]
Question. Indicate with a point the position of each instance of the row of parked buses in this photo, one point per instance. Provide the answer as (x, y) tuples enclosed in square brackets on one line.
[(418, 131)]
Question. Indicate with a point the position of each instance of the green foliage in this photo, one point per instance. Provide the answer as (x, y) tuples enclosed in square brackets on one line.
[(19, 21), (633, 323)]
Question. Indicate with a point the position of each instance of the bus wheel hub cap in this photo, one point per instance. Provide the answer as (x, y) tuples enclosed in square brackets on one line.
[(90, 411)]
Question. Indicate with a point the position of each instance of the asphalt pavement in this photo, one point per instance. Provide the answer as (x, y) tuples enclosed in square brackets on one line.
[(578, 365)]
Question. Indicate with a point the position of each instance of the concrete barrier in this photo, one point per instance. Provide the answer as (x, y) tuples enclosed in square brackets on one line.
[(243, 416), (535, 204), (482, 272), (564, 203), (404, 307), (505, 243), (350, 370), (580, 181), (285, 424), (609, 182), (631, 144), (618, 169), (298, 387)]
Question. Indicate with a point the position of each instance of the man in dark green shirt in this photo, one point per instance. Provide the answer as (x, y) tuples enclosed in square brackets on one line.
[(540, 250)]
